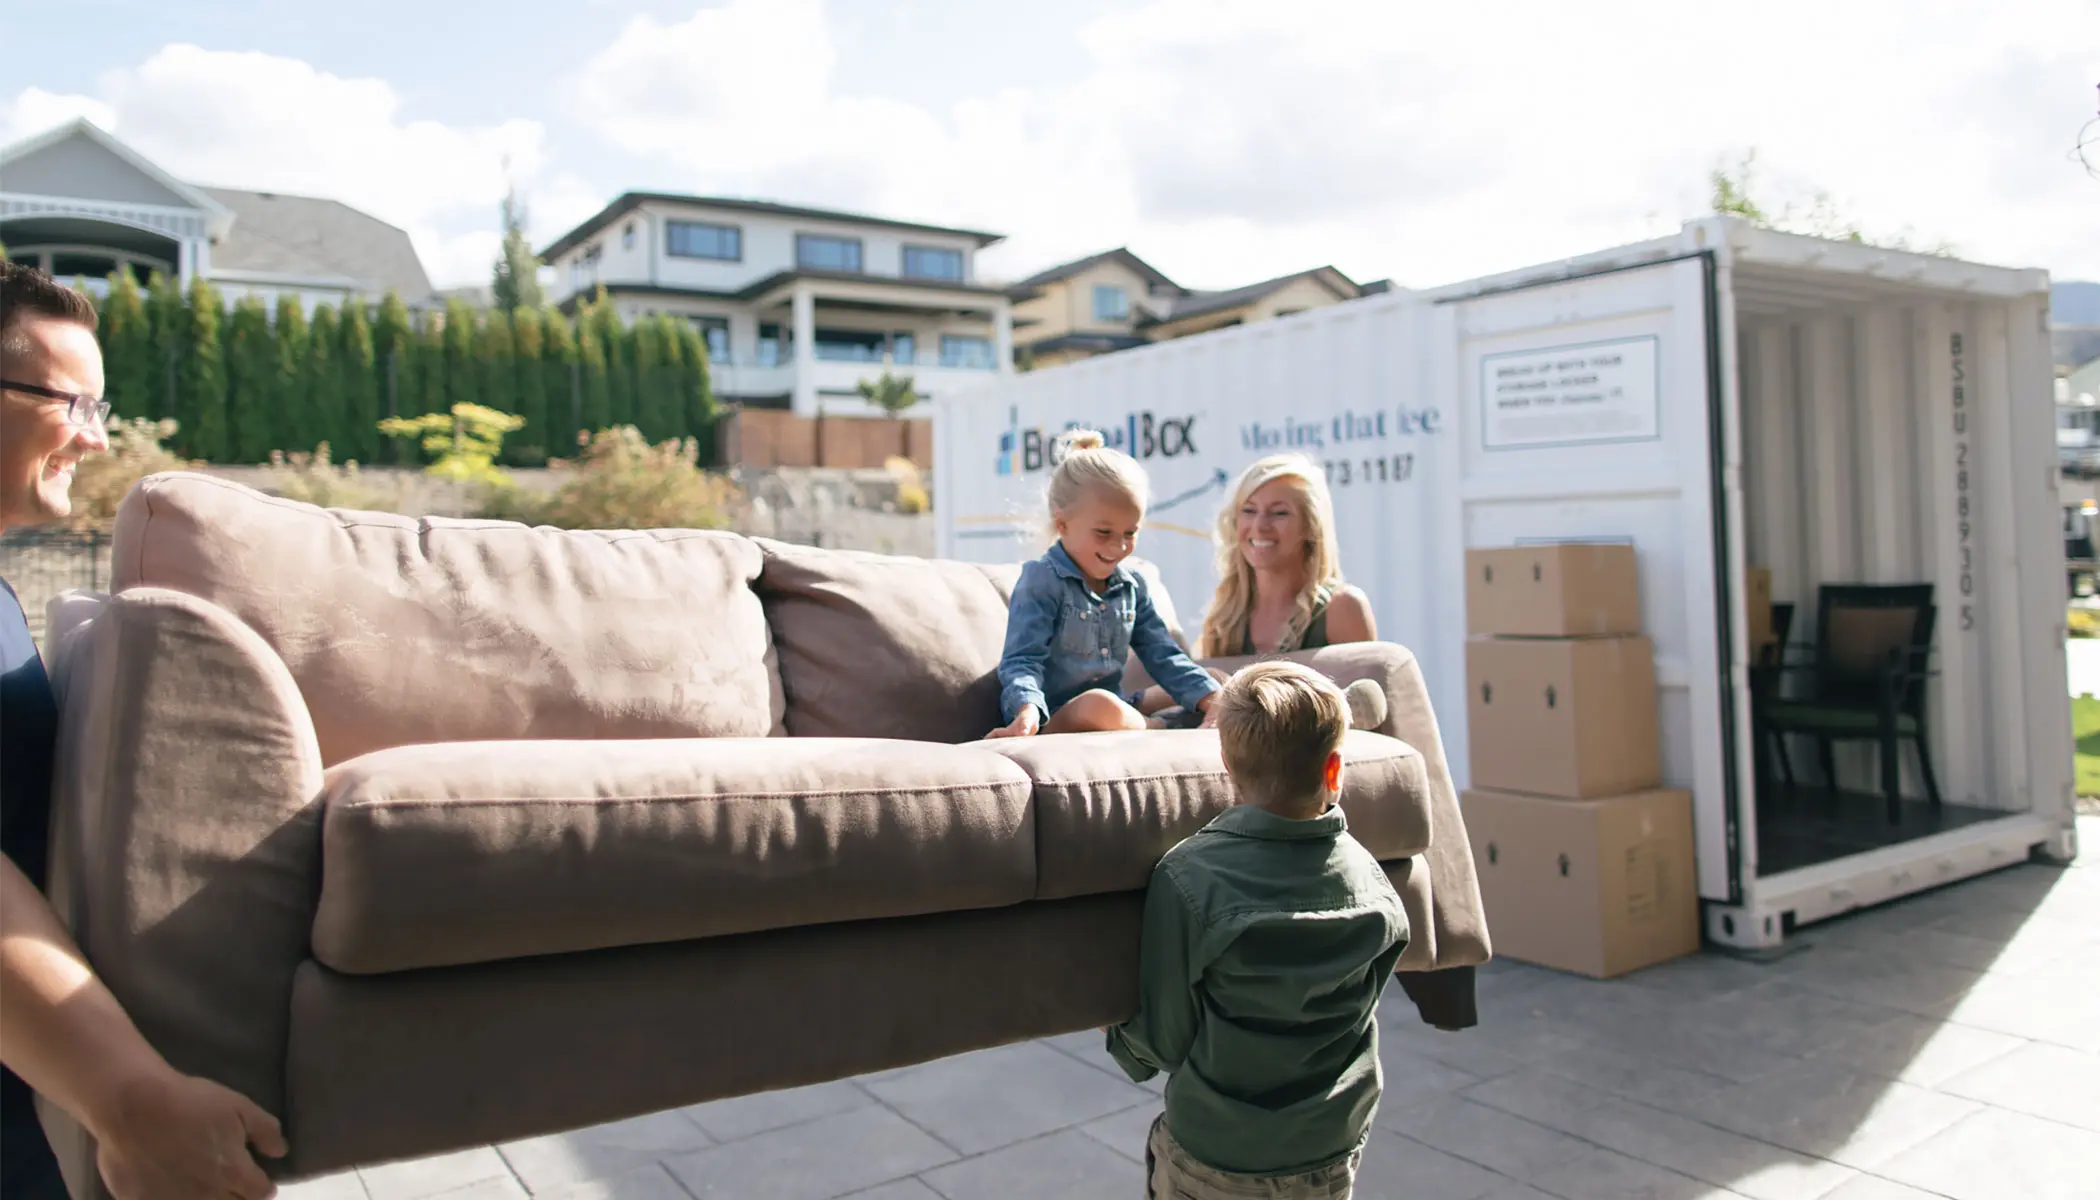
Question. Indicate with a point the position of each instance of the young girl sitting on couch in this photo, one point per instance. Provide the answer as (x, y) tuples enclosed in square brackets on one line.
[(1079, 612)]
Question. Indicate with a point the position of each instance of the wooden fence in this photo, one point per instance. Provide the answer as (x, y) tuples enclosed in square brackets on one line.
[(763, 437)]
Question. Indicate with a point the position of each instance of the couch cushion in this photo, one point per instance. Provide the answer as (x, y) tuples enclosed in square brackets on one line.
[(466, 852), (400, 630), (884, 646), (1108, 805)]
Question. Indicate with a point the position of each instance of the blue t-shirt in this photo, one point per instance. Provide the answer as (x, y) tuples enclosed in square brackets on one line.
[(28, 744)]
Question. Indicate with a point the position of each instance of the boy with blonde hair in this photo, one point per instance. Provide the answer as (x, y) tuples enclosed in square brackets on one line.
[(1269, 936)]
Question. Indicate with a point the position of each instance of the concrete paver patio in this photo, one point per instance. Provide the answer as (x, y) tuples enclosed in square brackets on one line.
[(1946, 1045)]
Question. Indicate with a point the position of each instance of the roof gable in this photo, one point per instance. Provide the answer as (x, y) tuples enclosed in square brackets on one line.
[(308, 238), (79, 161), (1206, 303), (1154, 279)]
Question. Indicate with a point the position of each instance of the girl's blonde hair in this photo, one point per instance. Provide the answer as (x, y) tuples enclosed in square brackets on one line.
[(1089, 462), (1226, 623)]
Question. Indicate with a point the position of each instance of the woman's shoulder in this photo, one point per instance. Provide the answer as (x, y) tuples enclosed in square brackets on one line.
[(1348, 614)]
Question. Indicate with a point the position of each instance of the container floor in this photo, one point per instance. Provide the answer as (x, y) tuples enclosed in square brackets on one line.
[(1805, 825)]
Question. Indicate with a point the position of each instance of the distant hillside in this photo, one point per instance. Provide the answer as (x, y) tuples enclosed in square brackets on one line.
[(2074, 304)]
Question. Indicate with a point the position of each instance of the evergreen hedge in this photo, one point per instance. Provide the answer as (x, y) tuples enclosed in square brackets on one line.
[(245, 382)]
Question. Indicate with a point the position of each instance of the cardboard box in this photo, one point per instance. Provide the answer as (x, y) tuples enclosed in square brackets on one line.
[(1757, 604), (1567, 589), (1597, 887), (1570, 717)]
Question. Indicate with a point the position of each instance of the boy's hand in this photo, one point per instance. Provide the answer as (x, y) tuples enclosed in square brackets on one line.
[(1023, 725), (178, 1136)]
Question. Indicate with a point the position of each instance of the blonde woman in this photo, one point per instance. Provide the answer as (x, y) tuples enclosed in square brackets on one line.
[(1280, 583), (1279, 572)]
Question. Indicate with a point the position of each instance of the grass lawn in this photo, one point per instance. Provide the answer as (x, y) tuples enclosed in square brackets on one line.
[(2085, 728)]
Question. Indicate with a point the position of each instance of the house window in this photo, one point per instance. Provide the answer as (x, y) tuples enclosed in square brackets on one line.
[(66, 267), (716, 331), (971, 352), (692, 239), (815, 252), (627, 237), (1111, 303), (932, 262), (848, 345), (583, 270), (776, 344), (904, 348)]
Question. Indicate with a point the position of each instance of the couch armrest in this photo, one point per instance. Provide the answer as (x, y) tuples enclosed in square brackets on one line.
[(186, 837), (1448, 928)]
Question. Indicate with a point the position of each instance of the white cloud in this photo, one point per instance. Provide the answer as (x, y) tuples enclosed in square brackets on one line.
[(1233, 139), (1226, 140), (36, 110), (269, 123)]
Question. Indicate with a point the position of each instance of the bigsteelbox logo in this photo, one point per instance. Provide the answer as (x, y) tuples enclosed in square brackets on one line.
[(1141, 435)]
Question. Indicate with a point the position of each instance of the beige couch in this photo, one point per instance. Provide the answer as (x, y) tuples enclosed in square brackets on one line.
[(426, 834)]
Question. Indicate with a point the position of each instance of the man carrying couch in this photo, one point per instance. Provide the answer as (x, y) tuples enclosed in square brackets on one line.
[(160, 1133)]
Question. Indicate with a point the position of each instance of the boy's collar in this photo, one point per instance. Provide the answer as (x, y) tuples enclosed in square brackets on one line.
[(1252, 820)]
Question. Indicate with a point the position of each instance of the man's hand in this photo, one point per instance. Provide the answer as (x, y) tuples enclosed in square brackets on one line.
[(1024, 725), (177, 1136)]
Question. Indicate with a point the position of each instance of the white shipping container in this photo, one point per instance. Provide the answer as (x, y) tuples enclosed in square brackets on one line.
[(1837, 413)]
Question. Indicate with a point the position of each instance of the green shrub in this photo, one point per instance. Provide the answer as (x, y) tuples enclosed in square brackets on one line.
[(911, 486), (466, 441), (621, 481), (101, 481), (315, 479), (2082, 622)]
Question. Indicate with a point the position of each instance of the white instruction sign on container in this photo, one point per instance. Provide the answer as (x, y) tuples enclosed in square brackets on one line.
[(1606, 391)]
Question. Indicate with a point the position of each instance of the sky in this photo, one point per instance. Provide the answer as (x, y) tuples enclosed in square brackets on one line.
[(1224, 141)]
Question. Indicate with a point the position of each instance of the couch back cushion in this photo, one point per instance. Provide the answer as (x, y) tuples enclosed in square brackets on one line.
[(401, 630), (877, 645)]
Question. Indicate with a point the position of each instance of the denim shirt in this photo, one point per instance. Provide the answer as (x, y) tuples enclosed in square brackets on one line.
[(1063, 639)]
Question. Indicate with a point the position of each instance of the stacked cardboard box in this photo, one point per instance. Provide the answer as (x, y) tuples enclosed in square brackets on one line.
[(1585, 859)]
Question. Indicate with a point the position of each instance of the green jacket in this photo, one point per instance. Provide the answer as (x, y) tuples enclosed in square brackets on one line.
[(1267, 943)]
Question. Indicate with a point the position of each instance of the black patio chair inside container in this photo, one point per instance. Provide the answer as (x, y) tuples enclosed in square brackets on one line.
[(1866, 681)]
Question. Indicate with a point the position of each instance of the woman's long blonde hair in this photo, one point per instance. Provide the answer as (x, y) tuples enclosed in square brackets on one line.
[(1225, 625)]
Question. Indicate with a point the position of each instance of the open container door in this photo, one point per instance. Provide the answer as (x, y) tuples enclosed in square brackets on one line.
[(1594, 404), (1897, 433)]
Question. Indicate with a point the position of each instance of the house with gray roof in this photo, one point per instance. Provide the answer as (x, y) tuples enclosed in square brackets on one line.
[(79, 203), (1115, 300)]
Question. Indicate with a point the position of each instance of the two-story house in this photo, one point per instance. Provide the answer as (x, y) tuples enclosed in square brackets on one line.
[(799, 305), (1115, 300)]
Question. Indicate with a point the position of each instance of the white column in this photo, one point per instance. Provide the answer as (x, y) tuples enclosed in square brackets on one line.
[(1003, 336), (805, 305), (185, 261)]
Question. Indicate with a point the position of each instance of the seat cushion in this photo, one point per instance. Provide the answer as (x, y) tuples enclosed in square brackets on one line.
[(1815, 718), (1108, 805), (884, 646), (474, 851), (401, 630)]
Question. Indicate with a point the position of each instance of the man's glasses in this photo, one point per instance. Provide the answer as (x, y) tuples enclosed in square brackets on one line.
[(80, 409)]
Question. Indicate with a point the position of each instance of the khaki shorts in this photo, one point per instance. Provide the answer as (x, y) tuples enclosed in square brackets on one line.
[(1170, 1174)]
